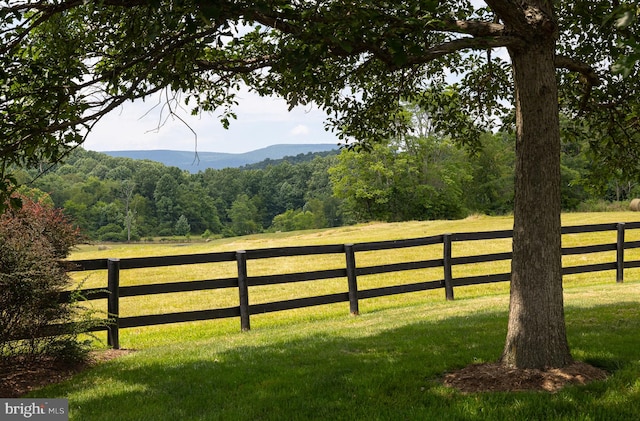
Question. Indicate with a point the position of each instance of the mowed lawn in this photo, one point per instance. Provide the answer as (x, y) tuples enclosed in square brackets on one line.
[(386, 363)]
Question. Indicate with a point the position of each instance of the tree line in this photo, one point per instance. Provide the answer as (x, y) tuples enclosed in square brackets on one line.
[(412, 178)]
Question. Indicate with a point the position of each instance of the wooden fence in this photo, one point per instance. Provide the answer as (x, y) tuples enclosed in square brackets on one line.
[(350, 271)]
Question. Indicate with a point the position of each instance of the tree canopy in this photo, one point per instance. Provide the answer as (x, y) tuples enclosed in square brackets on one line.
[(470, 64), (65, 64)]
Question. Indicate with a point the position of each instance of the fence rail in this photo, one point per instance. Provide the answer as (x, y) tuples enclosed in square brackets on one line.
[(242, 282)]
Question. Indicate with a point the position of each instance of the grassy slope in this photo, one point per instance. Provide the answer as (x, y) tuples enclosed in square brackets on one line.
[(319, 363)]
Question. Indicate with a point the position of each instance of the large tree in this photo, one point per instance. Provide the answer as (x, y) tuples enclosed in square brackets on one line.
[(64, 64)]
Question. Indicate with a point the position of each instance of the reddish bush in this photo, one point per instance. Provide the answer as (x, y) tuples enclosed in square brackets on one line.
[(33, 239)]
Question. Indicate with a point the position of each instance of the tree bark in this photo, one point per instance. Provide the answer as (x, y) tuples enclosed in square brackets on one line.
[(536, 334)]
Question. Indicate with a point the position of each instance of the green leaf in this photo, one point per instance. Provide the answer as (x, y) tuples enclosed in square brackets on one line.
[(625, 19), (15, 202), (624, 66)]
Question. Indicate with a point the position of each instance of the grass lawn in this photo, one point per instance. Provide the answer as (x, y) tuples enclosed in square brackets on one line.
[(386, 364)]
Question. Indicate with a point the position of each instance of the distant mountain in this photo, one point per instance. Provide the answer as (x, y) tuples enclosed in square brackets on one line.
[(187, 160)]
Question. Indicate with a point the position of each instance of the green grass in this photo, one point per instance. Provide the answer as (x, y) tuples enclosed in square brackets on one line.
[(167, 303), (321, 363)]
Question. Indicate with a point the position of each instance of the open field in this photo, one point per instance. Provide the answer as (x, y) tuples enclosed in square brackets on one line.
[(200, 300), (321, 363)]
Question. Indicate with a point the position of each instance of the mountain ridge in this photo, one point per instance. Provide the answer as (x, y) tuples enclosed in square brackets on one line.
[(193, 161)]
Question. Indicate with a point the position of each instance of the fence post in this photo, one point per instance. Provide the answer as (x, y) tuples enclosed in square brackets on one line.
[(352, 279), (113, 302), (243, 289), (448, 286), (620, 254)]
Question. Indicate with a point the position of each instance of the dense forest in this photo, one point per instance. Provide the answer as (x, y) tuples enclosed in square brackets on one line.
[(415, 178)]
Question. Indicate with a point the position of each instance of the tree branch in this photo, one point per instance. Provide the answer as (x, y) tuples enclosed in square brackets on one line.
[(236, 66), (510, 12), (482, 43), (46, 11), (524, 18), (590, 75), (477, 28)]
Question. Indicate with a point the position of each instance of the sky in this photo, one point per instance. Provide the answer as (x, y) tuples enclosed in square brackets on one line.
[(262, 121)]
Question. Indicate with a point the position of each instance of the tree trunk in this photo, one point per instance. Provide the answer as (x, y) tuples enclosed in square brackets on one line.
[(536, 336)]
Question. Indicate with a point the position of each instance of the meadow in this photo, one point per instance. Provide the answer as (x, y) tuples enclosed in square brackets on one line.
[(386, 363)]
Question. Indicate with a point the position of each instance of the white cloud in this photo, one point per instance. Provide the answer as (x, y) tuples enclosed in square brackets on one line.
[(300, 130)]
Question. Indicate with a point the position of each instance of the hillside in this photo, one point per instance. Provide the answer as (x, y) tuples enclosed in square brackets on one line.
[(187, 160)]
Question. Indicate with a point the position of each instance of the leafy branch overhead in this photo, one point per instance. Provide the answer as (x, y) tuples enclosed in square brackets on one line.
[(66, 64), (623, 18)]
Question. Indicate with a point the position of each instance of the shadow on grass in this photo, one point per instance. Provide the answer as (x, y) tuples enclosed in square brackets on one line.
[(391, 375)]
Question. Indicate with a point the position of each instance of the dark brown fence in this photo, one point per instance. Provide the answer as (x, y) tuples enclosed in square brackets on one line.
[(242, 282)]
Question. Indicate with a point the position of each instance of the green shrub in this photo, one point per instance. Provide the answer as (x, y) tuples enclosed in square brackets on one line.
[(599, 205), (111, 232), (182, 226), (165, 232), (292, 220), (113, 237), (34, 237)]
